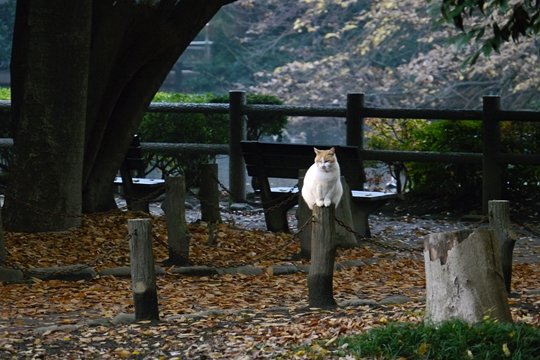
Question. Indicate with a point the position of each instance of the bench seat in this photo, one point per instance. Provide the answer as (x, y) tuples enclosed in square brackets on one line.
[(142, 191), (276, 160), (362, 205)]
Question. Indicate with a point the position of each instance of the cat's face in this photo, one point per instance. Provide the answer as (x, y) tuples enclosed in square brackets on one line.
[(325, 159)]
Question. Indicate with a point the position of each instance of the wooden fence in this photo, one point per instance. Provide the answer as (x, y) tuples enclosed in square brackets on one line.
[(491, 158)]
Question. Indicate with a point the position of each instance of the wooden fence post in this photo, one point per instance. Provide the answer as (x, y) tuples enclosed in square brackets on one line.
[(491, 135), (143, 276), (463, 277), (237, 131), (499, 222), (175, 215), (323, 252), (209, 194), (355, 120), (355, 127)]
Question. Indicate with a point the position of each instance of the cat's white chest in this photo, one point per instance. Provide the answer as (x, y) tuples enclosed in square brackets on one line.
[(322, 187)]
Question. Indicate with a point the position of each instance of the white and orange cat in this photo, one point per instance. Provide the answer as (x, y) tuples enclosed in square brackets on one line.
[(322, 182)]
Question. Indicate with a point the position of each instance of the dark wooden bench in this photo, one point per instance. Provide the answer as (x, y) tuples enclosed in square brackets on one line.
[(136, 188), (276, 160)]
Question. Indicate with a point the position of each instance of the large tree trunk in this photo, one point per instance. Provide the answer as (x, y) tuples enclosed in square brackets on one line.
[(131, 56), (83, 74), (49, 95), (464, 278)]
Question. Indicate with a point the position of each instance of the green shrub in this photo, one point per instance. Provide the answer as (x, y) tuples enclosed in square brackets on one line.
[(451, 340), (199, 128), (262, 124), (182, 128), (460, 185)]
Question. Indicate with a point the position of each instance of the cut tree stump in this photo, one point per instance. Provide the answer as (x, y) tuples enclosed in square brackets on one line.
[(143, 276), (323, 253), (499, 222), (463, 277)]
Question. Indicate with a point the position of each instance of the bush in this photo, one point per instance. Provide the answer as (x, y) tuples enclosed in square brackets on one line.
[(199, 128), (262, 124), (459, 184), (182, 128), (451, 340)]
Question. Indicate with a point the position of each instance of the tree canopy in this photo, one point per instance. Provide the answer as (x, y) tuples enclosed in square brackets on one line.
[(397, 53), (492, 23)]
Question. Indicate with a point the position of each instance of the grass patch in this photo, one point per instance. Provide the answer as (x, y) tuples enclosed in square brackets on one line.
[(452, 340)]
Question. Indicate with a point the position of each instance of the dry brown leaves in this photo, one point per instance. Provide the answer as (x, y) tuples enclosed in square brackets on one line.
[(228, 316)]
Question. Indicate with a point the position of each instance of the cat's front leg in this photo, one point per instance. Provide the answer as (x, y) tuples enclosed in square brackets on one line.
[(327, 201), (319, 196)]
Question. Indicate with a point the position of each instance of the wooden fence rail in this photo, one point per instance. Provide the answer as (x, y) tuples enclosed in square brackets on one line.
[(491, 159)]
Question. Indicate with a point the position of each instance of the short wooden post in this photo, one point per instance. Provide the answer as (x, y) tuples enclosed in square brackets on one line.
[(491, 134), (237, 131), (209, 194), (499, 221), (303, 214), (463, 277), (143, 277), (344, 236), (323, 253), (3, 253), (177, 230)]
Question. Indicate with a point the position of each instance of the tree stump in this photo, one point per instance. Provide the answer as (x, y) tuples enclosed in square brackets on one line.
[(209, 194), (175, 215), (499, 222), (323, 253), (143, 276), (463, 277)]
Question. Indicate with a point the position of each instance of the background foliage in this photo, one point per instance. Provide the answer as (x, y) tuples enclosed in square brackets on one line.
[(199, 128)]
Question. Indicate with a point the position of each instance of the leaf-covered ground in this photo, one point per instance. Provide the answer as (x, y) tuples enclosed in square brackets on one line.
[(230, 316)]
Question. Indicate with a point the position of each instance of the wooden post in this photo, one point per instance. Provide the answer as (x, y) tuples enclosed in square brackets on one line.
[(143, 277), (323, 253), (342, 236), (355, 126), (3, 253), (237, 131), (303, 214), (177, 230), (463, 277), (209, 194), (499, 222), (354, 120), (491, 134)]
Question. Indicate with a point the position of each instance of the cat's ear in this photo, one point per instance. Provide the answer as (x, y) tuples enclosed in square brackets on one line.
[(316, 150), (332, 150)]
